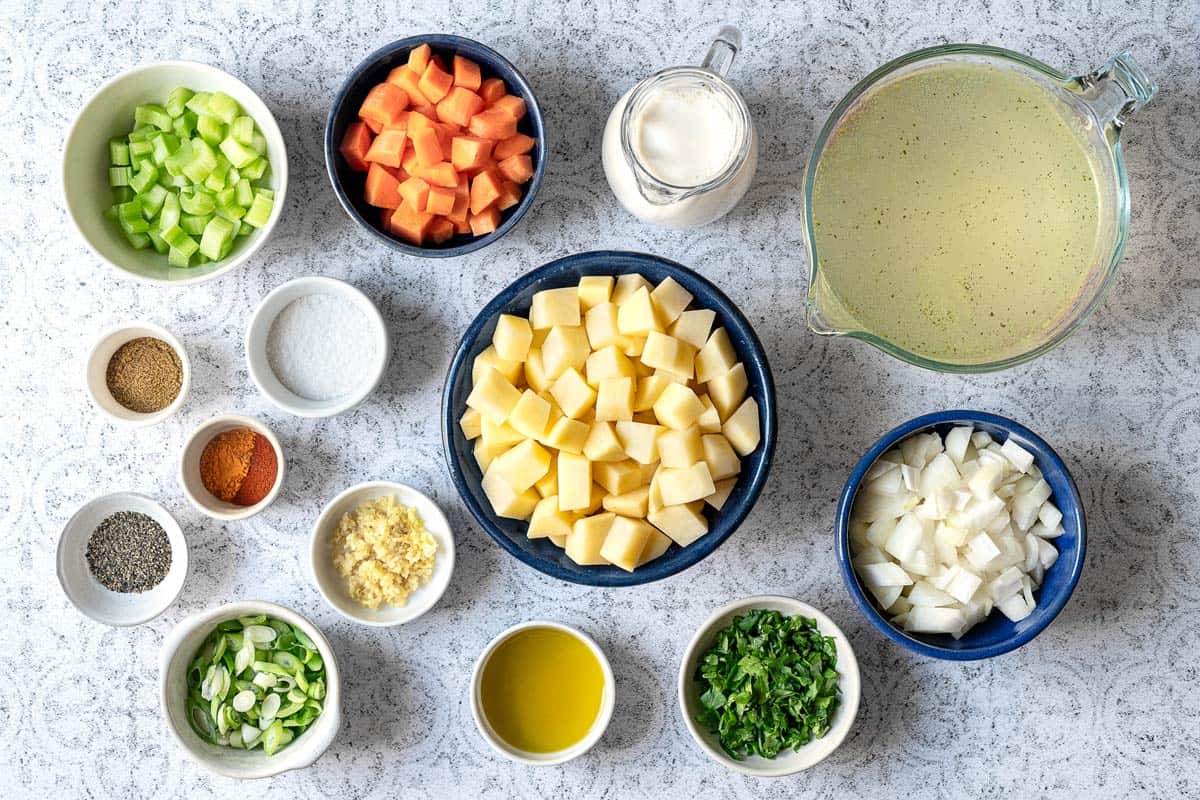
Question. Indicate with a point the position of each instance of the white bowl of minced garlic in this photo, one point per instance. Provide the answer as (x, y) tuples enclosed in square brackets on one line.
[(381, 553)]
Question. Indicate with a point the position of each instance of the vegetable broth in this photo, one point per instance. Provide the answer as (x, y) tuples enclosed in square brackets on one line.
[(541, 690), (959, 211)]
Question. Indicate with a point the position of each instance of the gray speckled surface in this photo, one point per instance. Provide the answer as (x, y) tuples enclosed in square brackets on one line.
[(1105, 699)]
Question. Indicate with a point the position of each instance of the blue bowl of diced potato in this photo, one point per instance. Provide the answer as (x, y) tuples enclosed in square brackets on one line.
[(631, 519), (87, 160)]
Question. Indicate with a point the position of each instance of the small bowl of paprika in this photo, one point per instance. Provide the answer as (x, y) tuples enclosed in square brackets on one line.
[(232, 467)]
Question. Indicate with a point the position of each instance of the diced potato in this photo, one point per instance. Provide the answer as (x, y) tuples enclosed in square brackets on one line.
[(614, 399), (639, 440), (683, 523), (574, 482), (670, 299), (648, 390), (681, 448), (693, 326), (602, 443), (548, 484), (548, 520), (511, 370), (633, 503), (656, 545), (573, 394), (724, 488), (608, 362), (530, 415), (505, 501), (486, 453), (654, 499), (636, 315), (587, 537), (555, 307), (617, 477), (565, 348), (596, 501), (600, 323), (626, 285), (625, 541), (493, 396), (664, 352), (729, 390), (559, 541), (502, 435), (522, 466), (722, 461), (535, 373), (568, 435), (471, 424), (679, 486), (710, 420), (641, 370), (742, 427), (512, 337), (632, 346), (678, 407), (716, 357), (594, 290), (539, 339)]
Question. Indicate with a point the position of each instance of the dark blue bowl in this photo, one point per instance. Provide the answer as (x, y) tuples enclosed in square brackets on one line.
[(996, 634), (348, 184), (542, 554)]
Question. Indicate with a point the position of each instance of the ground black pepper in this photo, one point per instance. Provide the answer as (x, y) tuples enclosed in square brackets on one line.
[(129, 552)]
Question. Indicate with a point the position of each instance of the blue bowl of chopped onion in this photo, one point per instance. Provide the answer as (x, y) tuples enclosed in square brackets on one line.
[(960, 535)]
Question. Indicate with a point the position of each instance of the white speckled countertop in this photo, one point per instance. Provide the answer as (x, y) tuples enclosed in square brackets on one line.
[(1105, 702)]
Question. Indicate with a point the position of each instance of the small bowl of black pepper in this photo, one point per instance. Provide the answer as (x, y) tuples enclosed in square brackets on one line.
[(138, 373), (122, 559)]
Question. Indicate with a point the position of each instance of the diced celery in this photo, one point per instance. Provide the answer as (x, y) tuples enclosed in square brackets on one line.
[(141, 163), (144, 179), (169, 214), (177, 237), (118, 152), (255, 169), (111, 214), (177, 100), (204, 159), (210, 129), (177, 258), (193, 225), (258, 143), (130, 217), (239, 155), (152, 201), (245, 229), (198, 103), (242, 129), (225, 196), (141, 149), (174, 181), (214, 182), (160, 246), (267, 193), (223, 107), (139, 241), (231, 212), (185, 125), (141, 133), (243, 195), (163, 146), (217, 235), (180, 158), (198, 203), (259, 212), (233, 177), (122, 194), (152, 114), (200, 259), (118, 176)]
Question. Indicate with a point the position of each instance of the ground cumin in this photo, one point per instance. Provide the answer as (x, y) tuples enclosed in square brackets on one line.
[(144, 375)]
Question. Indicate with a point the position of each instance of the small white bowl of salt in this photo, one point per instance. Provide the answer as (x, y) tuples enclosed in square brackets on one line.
[(316, 347)]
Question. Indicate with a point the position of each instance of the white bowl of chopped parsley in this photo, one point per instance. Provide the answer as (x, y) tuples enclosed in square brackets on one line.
[(769, 686)]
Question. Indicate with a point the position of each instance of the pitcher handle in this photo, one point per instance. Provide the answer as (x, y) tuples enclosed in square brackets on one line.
[(722, 51), (1117, 89)]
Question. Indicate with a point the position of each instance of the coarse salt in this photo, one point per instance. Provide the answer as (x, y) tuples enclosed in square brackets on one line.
[(321, 347)]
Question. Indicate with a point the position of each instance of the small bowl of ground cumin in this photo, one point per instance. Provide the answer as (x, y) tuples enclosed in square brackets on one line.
[(138, 373), (232, 467)]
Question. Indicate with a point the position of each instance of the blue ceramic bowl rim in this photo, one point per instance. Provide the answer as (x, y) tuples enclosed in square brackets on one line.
[(1071, 507), (732, 515), (533, 110)]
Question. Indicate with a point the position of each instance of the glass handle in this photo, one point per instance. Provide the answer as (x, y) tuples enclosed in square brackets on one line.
[(1117, 89), (721, 52)]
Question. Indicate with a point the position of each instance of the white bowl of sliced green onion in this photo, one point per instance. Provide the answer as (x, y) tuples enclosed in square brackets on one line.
[(250, 689), (174, 172)]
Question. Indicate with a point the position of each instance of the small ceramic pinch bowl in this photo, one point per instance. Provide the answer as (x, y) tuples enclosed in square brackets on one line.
[(788, 761), (85, 164), (332, 585), (259, 330), (176, 656), (189, 468), (87, 594), (996, 634), (607, 700), (97, 370)]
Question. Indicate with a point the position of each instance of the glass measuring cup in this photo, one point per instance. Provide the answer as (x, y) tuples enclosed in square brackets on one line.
[(676, 187), (1098, 104)]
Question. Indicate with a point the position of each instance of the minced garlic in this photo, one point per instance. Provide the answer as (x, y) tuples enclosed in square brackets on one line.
[(383, 551)]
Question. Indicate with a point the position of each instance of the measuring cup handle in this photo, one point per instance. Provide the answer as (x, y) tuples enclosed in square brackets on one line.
[(721, 52)]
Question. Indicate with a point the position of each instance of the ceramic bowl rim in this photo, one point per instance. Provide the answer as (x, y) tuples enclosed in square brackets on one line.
[(245, 512)]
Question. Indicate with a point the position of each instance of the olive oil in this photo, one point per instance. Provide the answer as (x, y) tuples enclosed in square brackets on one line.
[(959, 212), (541, 690)]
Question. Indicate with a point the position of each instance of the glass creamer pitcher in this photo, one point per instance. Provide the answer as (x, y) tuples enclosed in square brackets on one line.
[(680, 148), (966, 207)]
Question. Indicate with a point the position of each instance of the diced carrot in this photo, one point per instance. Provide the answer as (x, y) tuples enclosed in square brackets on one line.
[(395, 172), (514, 146), (388, 147), (355, 144), (428, 147), (510, 195), (411, 225), (418, 57), (439, 201), (492, 89), (469, 152), (485, 190), (493, 123), (441, 230), (415, 192), (441, 62), (419, 122), (459, 106), (517, 169), (435, 82), (383, 104), (408, 162), (466, 73), (374, 126), (442, 174), (401, 123), (490, 164), (462, 226), (462, 200), (446, 133), (510, 103), (385, 218), (381, 188), (407, 79), (486, 221), (394, 77)]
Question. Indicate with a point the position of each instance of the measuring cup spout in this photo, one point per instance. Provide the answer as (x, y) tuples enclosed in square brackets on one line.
[(1116, 90)]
